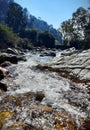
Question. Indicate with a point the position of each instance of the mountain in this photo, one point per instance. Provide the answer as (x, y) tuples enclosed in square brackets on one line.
[(4, 4), (32, 21), (41, 25)]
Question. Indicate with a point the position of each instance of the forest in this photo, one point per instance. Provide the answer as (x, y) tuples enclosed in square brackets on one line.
[(16, 29)]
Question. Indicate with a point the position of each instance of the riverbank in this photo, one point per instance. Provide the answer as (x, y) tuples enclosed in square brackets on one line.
[(71, 64)]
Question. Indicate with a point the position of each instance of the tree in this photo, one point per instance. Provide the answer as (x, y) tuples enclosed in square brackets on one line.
[(87, 32), (30, 34), (46, 39), (7, 37), (80, 20), (67, 30), (74, 30), (15, 18)]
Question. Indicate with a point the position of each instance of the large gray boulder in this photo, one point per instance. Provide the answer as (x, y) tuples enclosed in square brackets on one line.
[(76, 63)]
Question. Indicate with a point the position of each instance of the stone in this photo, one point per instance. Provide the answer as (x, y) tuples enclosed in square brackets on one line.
[(72, 61), (3, 72), (3, 86), (5, 64), (11, 58), (12, 51)]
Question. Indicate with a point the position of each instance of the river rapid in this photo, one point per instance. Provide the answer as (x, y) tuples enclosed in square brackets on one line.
[(60, 93)]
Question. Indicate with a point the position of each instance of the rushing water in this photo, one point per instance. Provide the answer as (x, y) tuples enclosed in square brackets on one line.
[(57, 89)]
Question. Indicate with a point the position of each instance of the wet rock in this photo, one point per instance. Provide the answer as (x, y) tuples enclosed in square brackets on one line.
[(11, 58), (5, 64), (3, 86), (39, 96), (8, 57), (75, 63), (12, 51), (85, 125), (31, 127), (3, 116), (69, 52), (3, 72), (52, 54), (48, 53), (21, 58)]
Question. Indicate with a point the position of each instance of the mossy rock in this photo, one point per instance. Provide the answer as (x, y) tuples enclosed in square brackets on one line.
[(3, 116)]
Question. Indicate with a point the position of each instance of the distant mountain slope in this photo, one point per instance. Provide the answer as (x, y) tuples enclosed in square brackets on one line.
[(34, 22)]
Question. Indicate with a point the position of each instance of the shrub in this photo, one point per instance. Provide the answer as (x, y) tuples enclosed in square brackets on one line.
[(7, 37)]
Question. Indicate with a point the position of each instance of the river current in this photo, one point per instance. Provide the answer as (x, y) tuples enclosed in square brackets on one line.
[(60, 93)]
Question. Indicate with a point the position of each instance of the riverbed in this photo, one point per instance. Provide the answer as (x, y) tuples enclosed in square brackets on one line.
[(62, 95)]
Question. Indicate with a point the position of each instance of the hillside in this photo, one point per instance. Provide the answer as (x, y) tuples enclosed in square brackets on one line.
[(42, 25)]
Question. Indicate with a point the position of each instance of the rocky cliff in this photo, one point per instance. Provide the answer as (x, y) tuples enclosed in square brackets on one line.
[(34, 22)]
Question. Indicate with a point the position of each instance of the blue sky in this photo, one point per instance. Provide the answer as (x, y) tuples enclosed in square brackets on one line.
[(53, 11)]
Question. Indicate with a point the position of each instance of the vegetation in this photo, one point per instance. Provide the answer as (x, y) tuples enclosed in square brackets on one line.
[(14, 32), (46, 39), (7, 37), (14, 29), (10, 39), (15, 18), (39, 38), (30, 34), (76, 31)]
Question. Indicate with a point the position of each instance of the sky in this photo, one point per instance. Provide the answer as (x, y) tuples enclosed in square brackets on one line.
[(53, 11)]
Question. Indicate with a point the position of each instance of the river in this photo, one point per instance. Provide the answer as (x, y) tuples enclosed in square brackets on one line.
[(60, 93)]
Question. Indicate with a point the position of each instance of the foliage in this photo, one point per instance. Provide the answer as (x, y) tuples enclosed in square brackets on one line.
[(38, 38), (87, 36), (46, 39), (74, 30), (7, 37), (15, 17), (67, 29), (30, 34), (80, 20), (24, 43)]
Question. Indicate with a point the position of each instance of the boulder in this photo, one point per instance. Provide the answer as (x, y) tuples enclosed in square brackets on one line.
[(69, 51), (8, 57), (3, 86), (52, 54), (48, 53), (11, 58), (76, 63), (5, 64), (85, 125), (12, 51), (3, 72)]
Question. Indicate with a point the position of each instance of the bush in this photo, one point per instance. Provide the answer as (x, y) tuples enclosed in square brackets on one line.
[(46, 39), (7, 37)]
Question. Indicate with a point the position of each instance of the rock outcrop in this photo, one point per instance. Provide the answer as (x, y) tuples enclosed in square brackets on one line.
[(41, 25), (3, 72), (72, 64), (12, 56)]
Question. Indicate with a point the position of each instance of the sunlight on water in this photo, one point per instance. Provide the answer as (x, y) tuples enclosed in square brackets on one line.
[(54, 86)]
